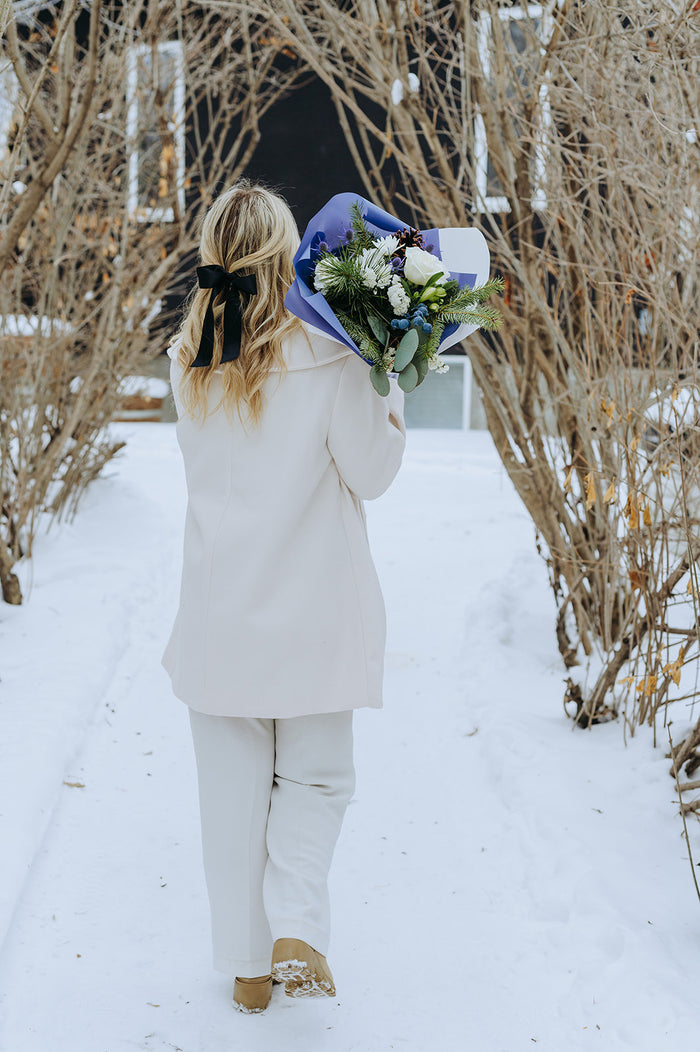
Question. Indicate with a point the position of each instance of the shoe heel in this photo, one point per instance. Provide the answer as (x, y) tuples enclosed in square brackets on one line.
[(252, 995), (304, 971)]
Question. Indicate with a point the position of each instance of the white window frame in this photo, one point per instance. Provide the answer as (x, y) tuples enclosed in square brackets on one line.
[(484, 201), (9, 92), (170, 48), (456, 361)]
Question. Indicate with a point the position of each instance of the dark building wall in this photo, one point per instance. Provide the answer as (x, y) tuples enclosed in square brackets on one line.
[(302, 152)]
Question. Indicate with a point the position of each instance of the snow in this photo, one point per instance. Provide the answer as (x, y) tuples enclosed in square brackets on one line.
[(27, 325), (147, 386), (503, 881)]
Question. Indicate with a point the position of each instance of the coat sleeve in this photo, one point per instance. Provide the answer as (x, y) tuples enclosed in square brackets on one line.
[(367, 435)]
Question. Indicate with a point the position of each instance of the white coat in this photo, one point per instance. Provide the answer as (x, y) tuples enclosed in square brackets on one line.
[(281, 612)]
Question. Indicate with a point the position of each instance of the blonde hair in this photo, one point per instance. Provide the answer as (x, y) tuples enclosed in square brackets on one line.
[(251, 230)]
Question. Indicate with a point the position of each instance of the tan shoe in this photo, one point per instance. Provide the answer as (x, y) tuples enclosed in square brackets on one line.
[(304, 971), (252, 995)]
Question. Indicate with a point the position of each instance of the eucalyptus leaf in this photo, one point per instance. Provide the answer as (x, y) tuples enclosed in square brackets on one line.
[(378, 327), (421, 366), (405, 350), (408, 378), (380, 381)]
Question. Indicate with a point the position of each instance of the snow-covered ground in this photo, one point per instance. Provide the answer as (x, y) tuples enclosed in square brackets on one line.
[(503, 882)]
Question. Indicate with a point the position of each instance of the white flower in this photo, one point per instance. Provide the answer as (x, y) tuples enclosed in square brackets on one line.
[(438, 365), (376, 272), (421, 265), (398, 299), (387, 245), (369, 278), (323, 274)]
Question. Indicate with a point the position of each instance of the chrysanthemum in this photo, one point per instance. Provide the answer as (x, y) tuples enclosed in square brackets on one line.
[(387, 245), (376, 272)]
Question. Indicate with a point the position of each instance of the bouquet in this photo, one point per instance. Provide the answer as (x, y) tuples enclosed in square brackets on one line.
[(397, 296)]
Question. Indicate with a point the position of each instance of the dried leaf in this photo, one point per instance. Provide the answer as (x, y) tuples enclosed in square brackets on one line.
[(609, 497), (630, 511), (567, 480), (74, 785), (590, 490)]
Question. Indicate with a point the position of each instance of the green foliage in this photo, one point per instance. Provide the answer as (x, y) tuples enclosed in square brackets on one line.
[(379, 328), (469, 297), (421, 366), (435, 336), (405, 350), (408, 378), (467, 308), (359, 227), (380, 380), (342, 278), (362, 338), (483, 317)]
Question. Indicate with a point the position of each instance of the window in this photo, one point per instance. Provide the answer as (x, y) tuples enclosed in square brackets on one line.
[(156, 129), (490, 196), (448, 401), (8, 101)]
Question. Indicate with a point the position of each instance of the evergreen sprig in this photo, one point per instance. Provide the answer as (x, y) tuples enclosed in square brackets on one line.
[(484, 317), (468, 297), (359, 226), (362, 337), (342, 279)]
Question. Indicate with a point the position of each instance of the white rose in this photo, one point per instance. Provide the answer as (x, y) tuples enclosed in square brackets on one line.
[(421, 265)]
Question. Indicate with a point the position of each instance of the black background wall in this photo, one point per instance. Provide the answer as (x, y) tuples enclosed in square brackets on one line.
[(302, 152)]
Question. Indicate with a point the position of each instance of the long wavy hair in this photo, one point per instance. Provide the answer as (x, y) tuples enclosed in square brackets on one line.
[(248, 229)]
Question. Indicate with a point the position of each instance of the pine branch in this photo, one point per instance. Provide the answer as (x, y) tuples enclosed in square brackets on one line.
[(433, 344), (468, 297), (359, 226), (361, 336), (484, 317)]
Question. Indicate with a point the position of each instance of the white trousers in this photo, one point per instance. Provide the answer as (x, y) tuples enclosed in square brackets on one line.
[(272, 797)]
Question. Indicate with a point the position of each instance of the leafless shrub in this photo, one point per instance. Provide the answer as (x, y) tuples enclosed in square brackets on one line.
[(5, 8), (569, 132), (126, 119)]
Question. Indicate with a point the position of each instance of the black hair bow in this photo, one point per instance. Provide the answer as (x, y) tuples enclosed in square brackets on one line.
[(218, 280)]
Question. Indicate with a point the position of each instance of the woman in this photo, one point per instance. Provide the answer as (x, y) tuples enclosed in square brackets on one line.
[(280, 629)]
